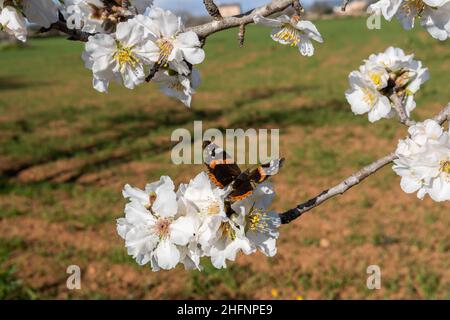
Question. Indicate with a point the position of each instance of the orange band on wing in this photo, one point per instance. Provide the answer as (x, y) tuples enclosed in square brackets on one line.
[(262, 173), (214, 180), (214, 163), (245, 195)]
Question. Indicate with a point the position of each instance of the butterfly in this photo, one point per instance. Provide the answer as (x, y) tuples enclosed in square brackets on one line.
[(223, 172)]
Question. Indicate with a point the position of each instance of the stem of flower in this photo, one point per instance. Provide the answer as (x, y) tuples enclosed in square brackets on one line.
[(400, 108)]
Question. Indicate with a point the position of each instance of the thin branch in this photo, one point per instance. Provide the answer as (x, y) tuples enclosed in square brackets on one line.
[(298, 7), (209, 28), (241, 35), (353, 180), (212, 9), (443, 116), (73, 34), (400, 108), (204, 30), (341, 188), (344, 5)]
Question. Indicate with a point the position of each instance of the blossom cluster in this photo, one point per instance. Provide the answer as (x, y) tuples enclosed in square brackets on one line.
[(151, 40), (129, 43), (163, 227), (380, 78), (13, 13), (424, 161), (434, 15)]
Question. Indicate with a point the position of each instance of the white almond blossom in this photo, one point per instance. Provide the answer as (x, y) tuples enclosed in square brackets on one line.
[(260, 225), (171, 47), (165, 228), (434, 15), (365, 98), (292, 31), (153, 230), (95, 16), (424, 161), (219, 236), (121, 56), (12, 22), (41, 12), (381, 76), (177, 85), (203, 199), (227, 241)]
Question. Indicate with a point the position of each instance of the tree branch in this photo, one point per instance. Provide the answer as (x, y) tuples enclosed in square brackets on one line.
[(400, 108), (204, 30), (73, 34), (353, 180), (212, 9), (344, 5), (209, 28)]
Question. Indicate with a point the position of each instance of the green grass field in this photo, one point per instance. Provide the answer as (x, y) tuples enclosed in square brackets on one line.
[(66, 151)]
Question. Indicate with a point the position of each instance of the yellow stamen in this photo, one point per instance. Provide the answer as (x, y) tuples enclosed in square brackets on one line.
[(376, 78), (445, 166), (413, 7), (165, 47), (288, 34), (369, 97), (257, 221), (227, 231), (124, 55)]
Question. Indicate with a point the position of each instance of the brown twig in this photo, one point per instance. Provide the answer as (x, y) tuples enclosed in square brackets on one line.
[(400, 108), (241, 35), (74, 34), (212, 9), (344, 5), (207, 29), (298, 8)]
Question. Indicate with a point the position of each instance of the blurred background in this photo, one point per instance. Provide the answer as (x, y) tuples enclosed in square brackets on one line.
[(66, 151)]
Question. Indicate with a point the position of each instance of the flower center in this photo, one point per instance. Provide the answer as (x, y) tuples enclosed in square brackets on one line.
[(211, 207), (161, 227), (445, 166), (288, 34), (257, 221), (227, 231), (376, 78), (124, 55), (165, 47), (369, 97), (413, 7)]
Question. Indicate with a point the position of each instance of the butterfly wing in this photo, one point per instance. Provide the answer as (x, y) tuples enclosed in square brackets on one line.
[(242, 188), (265, 171), (221, 167)]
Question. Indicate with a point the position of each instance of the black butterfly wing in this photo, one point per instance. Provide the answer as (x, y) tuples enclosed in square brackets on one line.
[(242, 188), (221, 167), (265, 171)]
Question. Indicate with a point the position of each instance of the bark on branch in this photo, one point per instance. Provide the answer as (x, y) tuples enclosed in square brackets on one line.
[(353, 180), (209, 28), (212, 9), (73, 34)]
